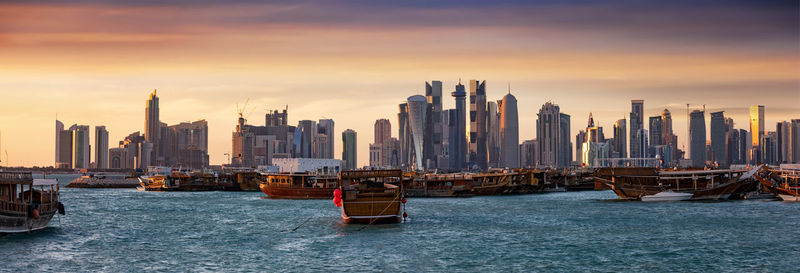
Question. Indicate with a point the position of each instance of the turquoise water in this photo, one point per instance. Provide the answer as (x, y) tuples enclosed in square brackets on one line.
[(123, 230)]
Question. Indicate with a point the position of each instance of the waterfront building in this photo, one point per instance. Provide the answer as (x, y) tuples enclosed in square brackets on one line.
[(643, 147), (383, 130), (565, 145), (756, 131), (59, 128), (324, 139), (769, 148), (101, 147), (118, 158), (794, 141), (620, 137), (152, 123), (636, 116), (656, 135), (529, 153), (404, 136), (593, 151), (719, 139), (477, 124), (697, 138), (580, 138), (554, 145), (782, 141), (732, 150), (81, 151), (433, 123), (458, 136), (317, 166), (509, 132), (375, 154), (493, 134), (417, 106), (668, 137), (304, 144), (255, 146), (145, 155), (744, 146)]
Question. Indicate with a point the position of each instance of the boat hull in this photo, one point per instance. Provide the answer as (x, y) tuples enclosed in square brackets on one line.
[(13, 222), (296, 193), (667, 197), (789, 198)]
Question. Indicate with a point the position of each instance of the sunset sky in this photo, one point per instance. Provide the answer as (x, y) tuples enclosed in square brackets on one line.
[(95, 62)]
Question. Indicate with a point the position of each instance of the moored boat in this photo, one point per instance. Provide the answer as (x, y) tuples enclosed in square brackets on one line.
[(635, 183), (298, 186), (371, 196), (783, 183), (439, 185), (25, 210)]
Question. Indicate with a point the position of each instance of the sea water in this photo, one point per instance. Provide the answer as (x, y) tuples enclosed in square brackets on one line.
[(124, 230)]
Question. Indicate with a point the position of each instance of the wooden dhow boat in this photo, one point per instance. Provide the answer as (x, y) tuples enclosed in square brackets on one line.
[(634, 183), (785, 183), (298, 186), (371, 196), (439, 185), (179, 181), (27, 204)]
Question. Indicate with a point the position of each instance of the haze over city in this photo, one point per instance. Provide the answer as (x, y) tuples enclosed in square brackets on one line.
[(95, 63)]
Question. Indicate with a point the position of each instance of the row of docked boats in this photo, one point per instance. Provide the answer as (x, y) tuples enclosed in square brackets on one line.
[(652, 184)]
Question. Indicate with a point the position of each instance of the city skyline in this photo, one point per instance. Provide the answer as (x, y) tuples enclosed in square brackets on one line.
[(99, 68)]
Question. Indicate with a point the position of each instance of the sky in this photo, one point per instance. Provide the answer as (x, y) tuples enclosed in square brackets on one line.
[(95, 62)]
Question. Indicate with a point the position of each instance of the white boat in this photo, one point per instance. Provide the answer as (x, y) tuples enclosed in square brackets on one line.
[(666, 196), (789, 198)]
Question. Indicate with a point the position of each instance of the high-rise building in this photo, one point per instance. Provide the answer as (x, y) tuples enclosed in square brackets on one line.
[(564, 141), (580, 138), (383, 130), (275, 118), (304, 138), (668, 138), (417, 106), (794, 141), (349, 145), (697, 138), (152, 123), (656, 134), (732, 150), (477, 124), (404, 136), (782, 133), (719, 138), (756, 131), (100, 147), (769, 148), (620, 135), (433, 122), (458, 137), (636, 115), (324, 139), (529, 153), (493, 134), (81, 151), (509, 132), (548, 133), (59, 128)]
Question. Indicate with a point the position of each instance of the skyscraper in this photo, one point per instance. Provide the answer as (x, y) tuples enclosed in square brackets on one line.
[(636, 124), (564, 141), (458, 137), (477, 124), (100, 147), (433, 121), (580, 138), (493, 134), (794, 141), (59, 128), (529, 153), (668, 138), (697, 138), (324, 139), (152, 123), (383, 130), (509, 132), (304, 138), (416, 115), (548, 132), (756, 131), (620, 135), (719, 138), (349, 145), (81, 150), (782, 134), (404, 135), (656, 135)]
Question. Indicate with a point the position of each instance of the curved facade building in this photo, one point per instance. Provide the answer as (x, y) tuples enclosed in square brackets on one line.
[(509, 132), (417, 106)]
